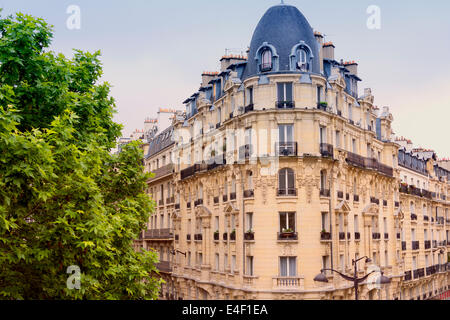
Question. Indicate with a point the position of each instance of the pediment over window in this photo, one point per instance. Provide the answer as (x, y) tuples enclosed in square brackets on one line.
[(398, 214), (343, 207), (371, 209), (231, 209), (202, 211)]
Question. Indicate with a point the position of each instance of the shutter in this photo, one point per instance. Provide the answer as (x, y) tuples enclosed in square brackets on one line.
[(280, 92), (291, 179), (282, 180)]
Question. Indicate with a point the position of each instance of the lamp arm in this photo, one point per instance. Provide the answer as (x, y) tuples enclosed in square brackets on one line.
[(348, 278), (364, 278)]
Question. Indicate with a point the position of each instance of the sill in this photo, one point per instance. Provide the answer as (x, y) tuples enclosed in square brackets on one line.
[(287, 241), (249, 241)]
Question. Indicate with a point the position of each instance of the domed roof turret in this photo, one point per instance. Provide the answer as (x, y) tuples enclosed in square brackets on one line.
[(283, 29)]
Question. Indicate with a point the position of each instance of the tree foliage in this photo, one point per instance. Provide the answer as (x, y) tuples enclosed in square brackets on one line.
[(64, 198)]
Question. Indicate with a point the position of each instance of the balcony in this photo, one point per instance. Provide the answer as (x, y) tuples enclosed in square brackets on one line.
[(216, 236), (397, 204), (355, 160), (325, 236), (161, 202), (340, 195), (188, 205), (374, 200), (288, 282), (233, 236), (414, 217), (326, 150), (249, 108), (398, 236), (285, 104), (231, 115), (431, 270), (386, 236), (216, 200), (357, 236), (290, 236), (218, 125), (426, 194), (386, 170), (233, 196), (415, 245), (325, 193), (216, 162), (177, 206), (225, 237), (164, 266), (198, 202), (245, 152), (188, 237), (408, 276), (355, 198), (376, 236), (286, 149), (341, 235), (286, 192), (198, 237), (249, 194), (426, 218), (385, 203), (427, 244), (371, 163), (158, 234), (434, 244), (404, 245), (163, 171), (188, 172), (249, 236), (225, 198)]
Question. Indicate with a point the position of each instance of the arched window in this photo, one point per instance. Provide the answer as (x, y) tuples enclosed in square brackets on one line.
[(286, 182), (302, 60), (266, 60)]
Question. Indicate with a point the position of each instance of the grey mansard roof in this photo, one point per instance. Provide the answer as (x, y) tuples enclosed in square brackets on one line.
[(282, 26)]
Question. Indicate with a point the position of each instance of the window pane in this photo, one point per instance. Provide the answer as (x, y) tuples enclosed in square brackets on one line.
[(280, 87), (283, 267), (289, 133), (282, 135), (282, 180), (291, 182), (292, 267), (288, 91), (292, 221), (283, 222)]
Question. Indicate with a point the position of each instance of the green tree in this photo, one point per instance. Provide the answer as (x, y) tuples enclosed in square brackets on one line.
[(65, 200)]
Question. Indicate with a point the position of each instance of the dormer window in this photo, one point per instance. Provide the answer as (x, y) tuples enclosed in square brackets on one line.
[(302, 63), (266, 60)]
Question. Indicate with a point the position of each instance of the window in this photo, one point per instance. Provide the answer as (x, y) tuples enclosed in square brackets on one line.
[(249, 221), (350, 112), (302, 63), (285, 133), (323, 135), (225, 262), (323, 180), (338, 139), (354, 150), (216, 222), (319, 94), (287, 222), (288, 266), (286, 182), (356, 223), (249, 96), (325, 222), (233, 264), (216, 262), (285, 97), (249, 265), (266, 60)]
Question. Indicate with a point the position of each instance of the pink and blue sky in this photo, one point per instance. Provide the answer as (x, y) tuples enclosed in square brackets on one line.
[(154, 52)]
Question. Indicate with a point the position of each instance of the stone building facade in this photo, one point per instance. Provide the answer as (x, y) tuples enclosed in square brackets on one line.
[(279, 169)]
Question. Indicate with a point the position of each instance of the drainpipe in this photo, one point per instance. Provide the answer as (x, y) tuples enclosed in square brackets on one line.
[(331, 218), (243, 222)]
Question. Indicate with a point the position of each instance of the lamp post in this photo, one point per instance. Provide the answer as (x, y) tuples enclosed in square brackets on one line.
[(321, 277)]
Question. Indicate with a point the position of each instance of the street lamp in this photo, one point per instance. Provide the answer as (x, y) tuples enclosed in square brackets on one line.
[(321, 277)]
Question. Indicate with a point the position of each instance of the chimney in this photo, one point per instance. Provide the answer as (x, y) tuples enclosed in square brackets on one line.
[(228, 60), (352, 66), (207, 77), (319, 39), (328, 50)]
